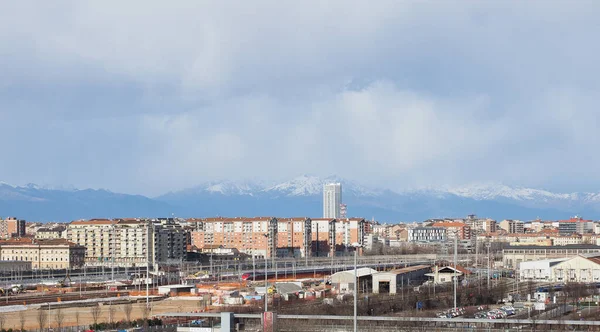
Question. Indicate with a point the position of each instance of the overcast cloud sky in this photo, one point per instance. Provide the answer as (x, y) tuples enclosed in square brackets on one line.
[(144, 97)]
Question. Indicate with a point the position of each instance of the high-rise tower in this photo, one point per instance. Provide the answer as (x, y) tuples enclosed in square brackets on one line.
[(332, 198)]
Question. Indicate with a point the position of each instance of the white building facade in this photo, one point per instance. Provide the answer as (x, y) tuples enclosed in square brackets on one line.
[(580, 269), (427, 234), (129, 242)]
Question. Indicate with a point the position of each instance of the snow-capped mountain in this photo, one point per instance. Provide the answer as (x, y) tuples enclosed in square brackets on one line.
[(497, 190), (308, 185), (300, 196), (227, 188), (304, 185)]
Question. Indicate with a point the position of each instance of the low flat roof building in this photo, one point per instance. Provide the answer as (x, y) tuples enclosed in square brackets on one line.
[(540, 271), (391, 280), (344, 281), (577, 269), (446, 274), (513, 255), (175, 290)]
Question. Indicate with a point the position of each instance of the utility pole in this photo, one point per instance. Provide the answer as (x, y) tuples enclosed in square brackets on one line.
[(266, 261), (455, 266), (114, 247), (356, 246), (147, 263), (488, 267), (476, 253)]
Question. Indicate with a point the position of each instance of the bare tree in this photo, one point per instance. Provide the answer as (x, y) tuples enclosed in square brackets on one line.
[(42, 318), (22, 319), (96, 311), (77, 318), (146, 315), (59, 317), (2, 321), (128, 308), (111, 313)]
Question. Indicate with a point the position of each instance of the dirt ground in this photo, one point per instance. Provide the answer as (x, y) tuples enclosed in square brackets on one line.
[(13, 319)]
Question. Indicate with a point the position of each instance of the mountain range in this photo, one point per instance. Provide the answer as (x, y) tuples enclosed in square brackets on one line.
[(301, 196)]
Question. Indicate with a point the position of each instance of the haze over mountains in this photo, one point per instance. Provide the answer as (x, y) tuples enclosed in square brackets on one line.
[(300, 196)]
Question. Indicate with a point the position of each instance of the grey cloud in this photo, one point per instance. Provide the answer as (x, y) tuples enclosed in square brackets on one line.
[(395, 93)]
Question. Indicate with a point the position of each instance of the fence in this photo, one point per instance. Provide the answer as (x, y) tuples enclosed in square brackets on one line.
[(323, 323)]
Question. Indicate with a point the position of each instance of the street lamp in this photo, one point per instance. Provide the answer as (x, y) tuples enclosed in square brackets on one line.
[(266, 235), (356, 245), (455, 265)]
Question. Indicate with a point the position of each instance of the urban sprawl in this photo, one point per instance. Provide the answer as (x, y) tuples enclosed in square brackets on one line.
[(448, 273)]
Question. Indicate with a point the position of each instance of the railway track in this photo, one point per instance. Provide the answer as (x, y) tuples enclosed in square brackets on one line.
[(56, 297)]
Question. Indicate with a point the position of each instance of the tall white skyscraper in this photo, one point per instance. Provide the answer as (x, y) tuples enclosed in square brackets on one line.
[(332, 198)]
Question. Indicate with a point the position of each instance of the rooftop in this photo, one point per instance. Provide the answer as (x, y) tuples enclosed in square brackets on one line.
[(568, 246), (360, 272), (449, 224), (408, 269), (38, 242)]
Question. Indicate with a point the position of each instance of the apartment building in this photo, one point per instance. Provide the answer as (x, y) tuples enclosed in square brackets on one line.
[(323, 237), (129, 242), (252, 236), (50, 233), (512, 226), (283, 237), (575, 225), (168, 241), (12, 227), (427, 234), (479, 225), (453, 229), (43, 254), (348, 232), (390, 232), (294, 237)]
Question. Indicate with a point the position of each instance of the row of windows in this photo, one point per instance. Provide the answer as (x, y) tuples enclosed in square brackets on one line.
[(552, 251), (31, 259)]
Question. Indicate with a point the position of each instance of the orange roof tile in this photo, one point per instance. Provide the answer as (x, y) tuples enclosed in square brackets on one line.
[(449, 224), (94, 222)]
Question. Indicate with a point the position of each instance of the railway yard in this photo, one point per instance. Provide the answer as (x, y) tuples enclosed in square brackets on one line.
[(68, 301)]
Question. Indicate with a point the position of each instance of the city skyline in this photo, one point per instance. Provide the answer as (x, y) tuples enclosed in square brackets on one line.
[(99, 96)]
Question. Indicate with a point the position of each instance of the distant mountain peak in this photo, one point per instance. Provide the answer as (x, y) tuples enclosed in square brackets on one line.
[(492, 191), (304, 185), (299, 196)]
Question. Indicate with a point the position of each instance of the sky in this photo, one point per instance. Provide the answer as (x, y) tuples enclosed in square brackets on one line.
[(144, 97)]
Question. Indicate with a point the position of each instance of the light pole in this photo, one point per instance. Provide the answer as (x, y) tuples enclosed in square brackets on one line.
[(488, 265), (455, 266), (148, 263), (266, 261), (356, 245)]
